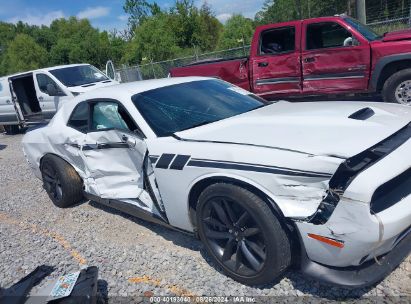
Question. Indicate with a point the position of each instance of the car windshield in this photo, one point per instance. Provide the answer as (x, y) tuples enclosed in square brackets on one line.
[(188, 105), (364, 30), (78, 75)]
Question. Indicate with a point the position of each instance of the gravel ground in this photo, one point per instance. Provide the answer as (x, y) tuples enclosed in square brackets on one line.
[(134, 258)]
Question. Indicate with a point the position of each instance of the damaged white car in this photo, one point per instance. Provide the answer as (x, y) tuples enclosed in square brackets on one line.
[(264, 185)]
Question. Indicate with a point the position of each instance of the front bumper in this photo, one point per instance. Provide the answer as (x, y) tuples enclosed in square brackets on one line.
[(364, 275), (365, 234)]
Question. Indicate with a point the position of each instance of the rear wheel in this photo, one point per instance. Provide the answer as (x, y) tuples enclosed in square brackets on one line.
[(242, 234), (62, 183), (397, 88), (12, 129)]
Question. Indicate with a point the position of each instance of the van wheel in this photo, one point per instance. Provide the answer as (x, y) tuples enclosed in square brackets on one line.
[(12, 129), (242, 234), (397, 88), (61, 182)]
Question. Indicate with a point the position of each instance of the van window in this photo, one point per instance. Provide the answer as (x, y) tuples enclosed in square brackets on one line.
[(43, 80), (279, 40), (327, 35), (79, 117)]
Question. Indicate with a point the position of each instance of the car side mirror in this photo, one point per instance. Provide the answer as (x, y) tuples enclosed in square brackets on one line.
[(51, 90), (355, 41)]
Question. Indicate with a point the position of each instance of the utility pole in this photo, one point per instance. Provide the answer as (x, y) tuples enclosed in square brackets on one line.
[(360, 10)]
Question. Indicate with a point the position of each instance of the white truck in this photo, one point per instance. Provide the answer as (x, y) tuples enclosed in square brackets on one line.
[(34, 96)]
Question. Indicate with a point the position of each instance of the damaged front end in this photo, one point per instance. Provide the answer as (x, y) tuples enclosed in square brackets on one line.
[(350, 168), (361, 231)]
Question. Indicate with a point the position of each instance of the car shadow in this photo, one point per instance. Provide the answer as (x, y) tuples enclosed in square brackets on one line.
[(189, 241)]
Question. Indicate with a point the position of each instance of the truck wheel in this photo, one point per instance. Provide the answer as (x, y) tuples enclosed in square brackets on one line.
[(242, 234), (61, 182), (397, 88), (11, 129)]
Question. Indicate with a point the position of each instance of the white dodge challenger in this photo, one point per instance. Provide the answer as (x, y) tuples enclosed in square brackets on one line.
[(323, 185)]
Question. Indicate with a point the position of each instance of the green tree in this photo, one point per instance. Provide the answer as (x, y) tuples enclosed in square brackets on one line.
[(23, 54), (208, 29), (78, 42), (154, 39), (238, 31)]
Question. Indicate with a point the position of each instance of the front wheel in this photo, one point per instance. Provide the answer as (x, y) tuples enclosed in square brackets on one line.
[(397, 88), (242, 234)]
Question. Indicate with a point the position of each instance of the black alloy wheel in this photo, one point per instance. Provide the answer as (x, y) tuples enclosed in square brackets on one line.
[(242, 234), (234, 235), (52, 182)]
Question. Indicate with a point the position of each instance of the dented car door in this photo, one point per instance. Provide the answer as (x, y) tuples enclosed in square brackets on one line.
[(113, 154)]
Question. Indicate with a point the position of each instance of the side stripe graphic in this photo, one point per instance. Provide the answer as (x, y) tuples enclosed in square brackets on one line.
[(153, 158), (179, 162), (165, 161), (247, 167)]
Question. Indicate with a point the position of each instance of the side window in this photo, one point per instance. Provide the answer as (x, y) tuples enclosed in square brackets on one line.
[(79, 117), (279, 40), (110, 115), (326, 35), (43, 80)]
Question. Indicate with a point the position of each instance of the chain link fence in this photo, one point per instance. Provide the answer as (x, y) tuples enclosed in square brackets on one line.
[(160, 69), (382, 15)]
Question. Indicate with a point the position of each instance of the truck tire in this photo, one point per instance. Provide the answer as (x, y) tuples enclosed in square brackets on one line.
[(242, 235), (61, 182), (397, 88), (12, 129)]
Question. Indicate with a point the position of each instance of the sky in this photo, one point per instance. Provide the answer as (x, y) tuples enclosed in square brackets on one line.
[(105, 14)]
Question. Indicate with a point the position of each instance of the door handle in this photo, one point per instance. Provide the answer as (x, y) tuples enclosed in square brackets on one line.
[(131, 142), (263, 64), (309, 59)]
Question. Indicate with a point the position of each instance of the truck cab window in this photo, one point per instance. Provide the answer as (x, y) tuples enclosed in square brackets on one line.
[(43, 80), (279, 40), (327, 35)]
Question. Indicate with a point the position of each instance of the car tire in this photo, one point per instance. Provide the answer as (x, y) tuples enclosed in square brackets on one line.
[(11, 129), (61, 181), (394, 83), (256, 249)]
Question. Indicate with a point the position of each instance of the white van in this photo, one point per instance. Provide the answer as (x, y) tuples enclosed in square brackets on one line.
[(34, 96)]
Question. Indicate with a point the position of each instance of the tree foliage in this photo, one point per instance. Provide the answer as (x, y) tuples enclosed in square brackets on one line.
[(238, 31), (23, 53)]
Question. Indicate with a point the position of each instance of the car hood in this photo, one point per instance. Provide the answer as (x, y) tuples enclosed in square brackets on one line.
[(317, 128), (92, 86), (397, 35)]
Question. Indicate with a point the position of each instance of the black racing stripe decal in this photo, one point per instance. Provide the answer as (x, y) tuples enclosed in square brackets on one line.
[(164, 161), (265, 166), (153, 158), (246, 167), (179, 162)]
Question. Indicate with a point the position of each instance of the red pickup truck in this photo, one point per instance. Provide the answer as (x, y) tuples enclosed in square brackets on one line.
[(319, 56)]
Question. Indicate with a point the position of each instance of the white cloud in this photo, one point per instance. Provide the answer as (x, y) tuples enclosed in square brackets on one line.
[(38, 18), (94, 12), (223, 17), (122, 17), (247, 8)]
